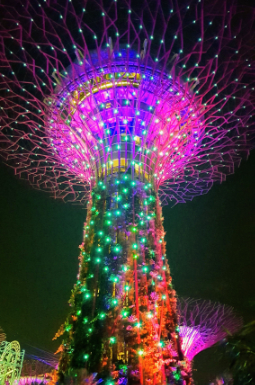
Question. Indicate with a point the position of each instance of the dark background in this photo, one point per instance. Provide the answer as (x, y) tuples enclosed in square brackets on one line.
[(210, 243)]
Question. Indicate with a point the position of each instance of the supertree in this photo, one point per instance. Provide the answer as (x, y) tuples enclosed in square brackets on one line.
[(36, 359), (203, 323), (2, 335), (38, 367), (123, 105)]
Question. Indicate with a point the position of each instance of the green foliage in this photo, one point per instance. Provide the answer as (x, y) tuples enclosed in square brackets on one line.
[(241, 351)]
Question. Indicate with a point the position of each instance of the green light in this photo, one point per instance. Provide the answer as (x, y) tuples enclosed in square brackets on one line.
[(85, 320), (134, 229), (108, 239), (98, 260), (145, 269), (78, 312), (86, 357), (102, 315), (106, 268), (135, 246), (127, 288), (87, 295), (108, 223), (117, 249), (140, 352), (112, 340)]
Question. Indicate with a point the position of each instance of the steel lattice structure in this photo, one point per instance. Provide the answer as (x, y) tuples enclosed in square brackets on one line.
[(125, 105), (203, 323), (185, 72)]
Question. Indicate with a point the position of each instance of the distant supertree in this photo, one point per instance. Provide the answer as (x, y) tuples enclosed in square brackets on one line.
[(203, 323), (125, 104), (2, 335), (35, 358), (38, 367)]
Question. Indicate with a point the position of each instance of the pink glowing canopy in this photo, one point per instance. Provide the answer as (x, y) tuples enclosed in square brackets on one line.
[(161, 90), (203, 323)]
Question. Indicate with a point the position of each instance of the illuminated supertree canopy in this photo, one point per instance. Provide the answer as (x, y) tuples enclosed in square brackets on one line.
[(125, 105), (90, 88), (39, 367), (38, 361), (203, 323)]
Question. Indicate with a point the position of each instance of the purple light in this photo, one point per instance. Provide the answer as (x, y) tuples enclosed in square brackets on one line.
[(203, 323), (174, 110), (32, 380)]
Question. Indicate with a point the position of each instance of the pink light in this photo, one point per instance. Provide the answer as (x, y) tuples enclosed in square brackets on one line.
[(192, 94)]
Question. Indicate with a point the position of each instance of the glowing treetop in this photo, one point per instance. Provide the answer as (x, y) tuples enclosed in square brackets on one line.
[(203, 323), (161, 90)]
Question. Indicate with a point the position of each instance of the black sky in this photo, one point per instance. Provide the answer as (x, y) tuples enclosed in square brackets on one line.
[(210, 243)]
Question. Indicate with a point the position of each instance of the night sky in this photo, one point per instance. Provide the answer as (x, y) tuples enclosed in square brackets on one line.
[(210, 245)]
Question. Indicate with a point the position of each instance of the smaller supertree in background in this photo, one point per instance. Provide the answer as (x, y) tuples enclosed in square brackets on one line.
[(2, 335), (39, 367), (203, 323)]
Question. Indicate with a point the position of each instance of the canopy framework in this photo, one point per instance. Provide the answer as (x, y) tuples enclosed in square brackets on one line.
[(203, 323), (197, 52)]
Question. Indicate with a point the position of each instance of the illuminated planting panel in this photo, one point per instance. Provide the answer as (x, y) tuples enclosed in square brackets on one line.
[(124, 118)]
